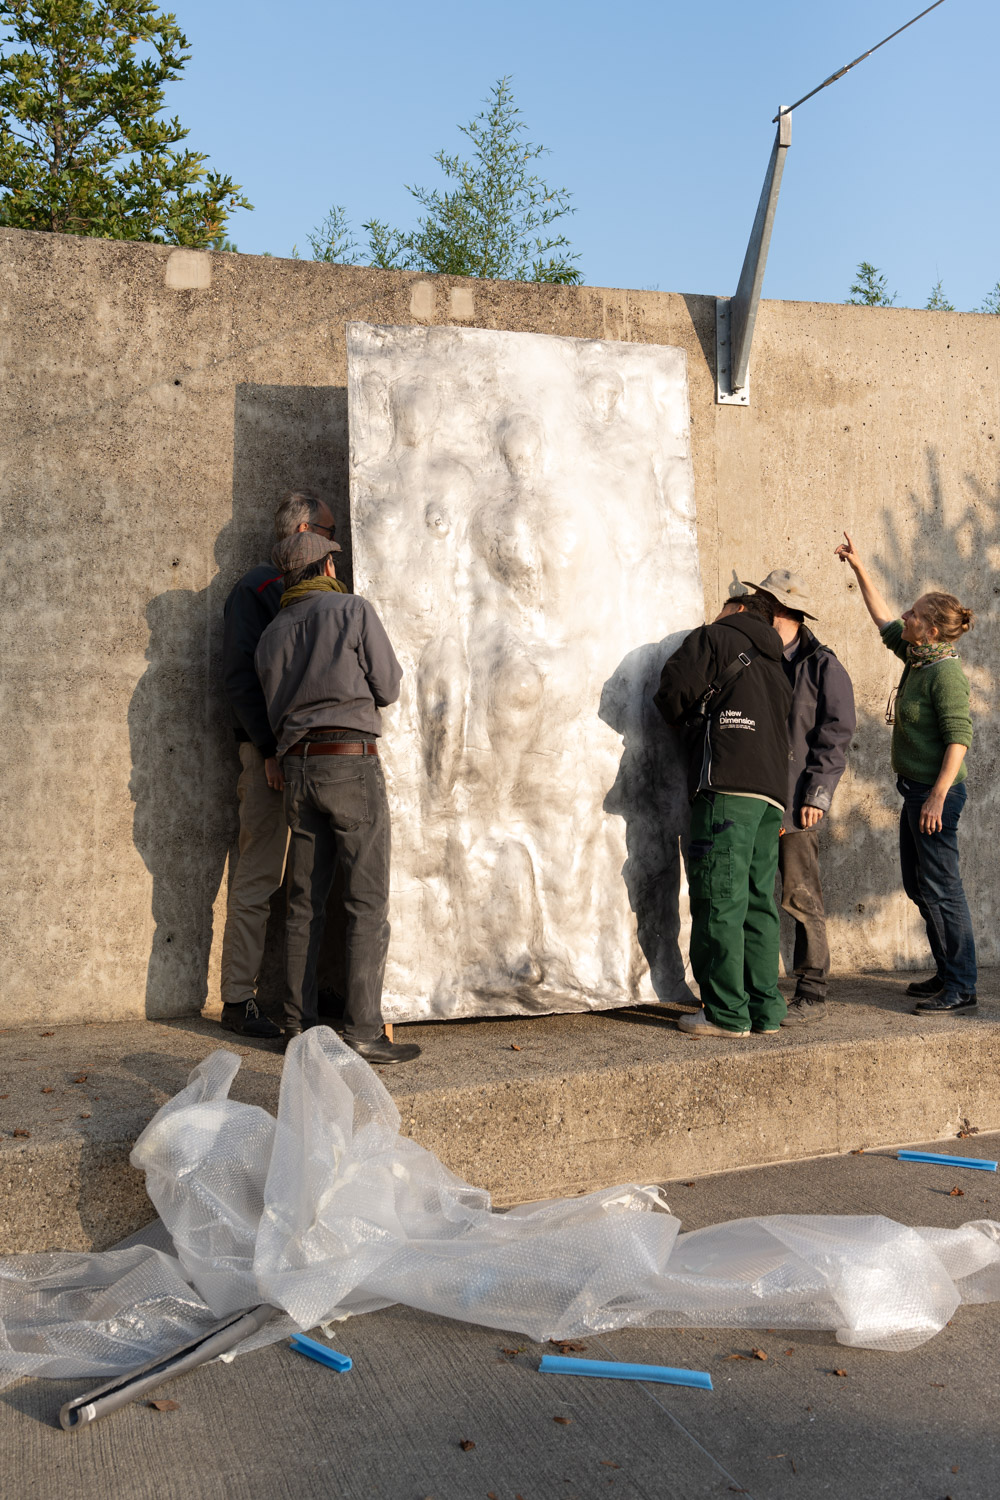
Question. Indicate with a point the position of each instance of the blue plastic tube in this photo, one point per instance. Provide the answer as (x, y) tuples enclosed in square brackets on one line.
[(556, 1364), (321, 1353), (948, 1161)]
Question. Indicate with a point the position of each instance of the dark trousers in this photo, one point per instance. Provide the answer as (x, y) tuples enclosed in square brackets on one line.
[(338, 816), (931, 879), (802, 899)]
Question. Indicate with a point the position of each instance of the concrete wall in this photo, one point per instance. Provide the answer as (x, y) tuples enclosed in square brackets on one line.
[(155, 401)]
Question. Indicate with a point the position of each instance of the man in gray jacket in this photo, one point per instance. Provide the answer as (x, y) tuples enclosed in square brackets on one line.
[(326, 668), (820, 725)]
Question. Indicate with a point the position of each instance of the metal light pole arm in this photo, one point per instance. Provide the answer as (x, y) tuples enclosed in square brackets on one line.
[(735, 316)]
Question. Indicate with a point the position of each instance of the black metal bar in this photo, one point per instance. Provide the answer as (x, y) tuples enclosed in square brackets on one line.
[(834, 76)]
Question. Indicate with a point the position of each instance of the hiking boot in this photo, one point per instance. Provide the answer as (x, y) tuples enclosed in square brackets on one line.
[(803, 1009), (246, 1020), (947, 1003), (380, 1051), (700, 1025), (925, 987)]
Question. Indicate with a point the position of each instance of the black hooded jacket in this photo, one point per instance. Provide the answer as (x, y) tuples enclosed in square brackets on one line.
[(745, 746), (250, 608)]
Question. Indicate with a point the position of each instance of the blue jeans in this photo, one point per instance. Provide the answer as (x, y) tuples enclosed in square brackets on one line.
[(931, 879), (338, 815)]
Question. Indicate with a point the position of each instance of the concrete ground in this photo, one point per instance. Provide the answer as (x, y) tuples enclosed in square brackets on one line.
[(917, 1426), (528, 1107)]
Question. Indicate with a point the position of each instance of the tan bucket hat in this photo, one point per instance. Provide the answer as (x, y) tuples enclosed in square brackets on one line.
[(300, 549), (787, 587)]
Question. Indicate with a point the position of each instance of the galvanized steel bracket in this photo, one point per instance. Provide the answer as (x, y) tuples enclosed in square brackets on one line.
[(735, 316)]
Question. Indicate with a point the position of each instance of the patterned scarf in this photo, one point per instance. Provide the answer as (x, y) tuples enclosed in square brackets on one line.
[(311, 586), (929, 652)]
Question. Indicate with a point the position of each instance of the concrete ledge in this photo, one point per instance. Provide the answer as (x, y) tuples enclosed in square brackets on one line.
[(529, 1108)]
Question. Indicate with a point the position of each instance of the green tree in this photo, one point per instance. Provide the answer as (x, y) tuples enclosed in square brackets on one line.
[(82, 147), (871, 288), (496, 217), (333, 240), (991, 302), (937, 301)]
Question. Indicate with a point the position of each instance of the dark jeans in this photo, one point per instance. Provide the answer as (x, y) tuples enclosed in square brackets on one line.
[(931, 879), (338, 815), (802, 898)]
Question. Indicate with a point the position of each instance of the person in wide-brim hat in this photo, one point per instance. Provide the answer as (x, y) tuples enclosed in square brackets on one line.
[(821, 722)]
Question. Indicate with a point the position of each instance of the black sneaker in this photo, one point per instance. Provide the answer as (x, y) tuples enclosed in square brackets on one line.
[(803, 1009), (380, 1050), (925, 987), (246, 1020), (947, 1003)]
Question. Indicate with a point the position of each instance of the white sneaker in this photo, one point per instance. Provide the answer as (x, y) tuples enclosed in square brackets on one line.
[(700, 1025)]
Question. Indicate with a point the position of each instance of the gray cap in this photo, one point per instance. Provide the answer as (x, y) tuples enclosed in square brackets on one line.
[(300, 549), (787, 587)]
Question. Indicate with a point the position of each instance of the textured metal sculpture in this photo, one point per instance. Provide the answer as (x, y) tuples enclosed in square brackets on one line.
[(523, 518)]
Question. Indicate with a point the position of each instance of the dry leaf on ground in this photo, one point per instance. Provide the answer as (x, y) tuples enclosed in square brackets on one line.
[(165, 1405), (466, 1445), (957, 1192), (838, 1372), (758, 1353), (563, 1421), (22, 1132), (568, 1346), (514, 1047)]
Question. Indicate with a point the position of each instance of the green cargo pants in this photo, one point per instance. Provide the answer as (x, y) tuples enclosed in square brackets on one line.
[(732, 859)]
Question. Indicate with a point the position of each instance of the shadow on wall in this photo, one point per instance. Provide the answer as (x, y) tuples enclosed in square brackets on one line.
[(184, 760), (922, 552), (650, 793)]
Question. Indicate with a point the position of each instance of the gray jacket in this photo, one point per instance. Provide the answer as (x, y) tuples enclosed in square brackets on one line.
[(820, 725), (326, 662)]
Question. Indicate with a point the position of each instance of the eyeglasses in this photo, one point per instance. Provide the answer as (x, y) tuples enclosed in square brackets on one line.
[(890, 707), (327, 531)]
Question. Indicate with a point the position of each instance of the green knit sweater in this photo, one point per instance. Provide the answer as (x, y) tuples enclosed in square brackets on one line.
[(932, 712)]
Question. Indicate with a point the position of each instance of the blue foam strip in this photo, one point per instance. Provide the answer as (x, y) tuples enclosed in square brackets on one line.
[(975, 1162), (556, 1364), (321, 1353)]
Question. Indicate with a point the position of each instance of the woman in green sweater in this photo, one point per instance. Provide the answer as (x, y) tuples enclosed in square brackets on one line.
[(931, 732)]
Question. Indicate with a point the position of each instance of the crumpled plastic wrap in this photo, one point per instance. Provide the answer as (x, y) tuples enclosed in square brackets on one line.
[(328, 1211)]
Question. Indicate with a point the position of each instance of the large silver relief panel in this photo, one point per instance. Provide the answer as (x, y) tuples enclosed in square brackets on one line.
[(523, 520)]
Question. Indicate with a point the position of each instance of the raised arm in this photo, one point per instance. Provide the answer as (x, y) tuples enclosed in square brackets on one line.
[(876, 605)]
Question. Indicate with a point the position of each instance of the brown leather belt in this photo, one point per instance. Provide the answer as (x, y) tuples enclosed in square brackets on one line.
[(334, 747)]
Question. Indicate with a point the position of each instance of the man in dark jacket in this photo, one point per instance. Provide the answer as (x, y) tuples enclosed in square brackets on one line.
[(738, 781), (263, 835), (820, 727), (326, 668)]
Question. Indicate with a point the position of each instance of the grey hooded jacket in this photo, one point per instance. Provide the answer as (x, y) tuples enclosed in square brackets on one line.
[(325, 662), (820, 725)]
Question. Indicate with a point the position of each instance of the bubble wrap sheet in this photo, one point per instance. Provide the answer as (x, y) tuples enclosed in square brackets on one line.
[(328, 1211)]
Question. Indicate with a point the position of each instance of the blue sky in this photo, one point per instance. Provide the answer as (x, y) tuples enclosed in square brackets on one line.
[(657, 116)]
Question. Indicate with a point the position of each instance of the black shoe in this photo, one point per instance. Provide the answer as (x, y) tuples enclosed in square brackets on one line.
[(924, 987), (803, 1009), (246, 1020), (380, 1050), (292, 1029), (947, 1003)]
